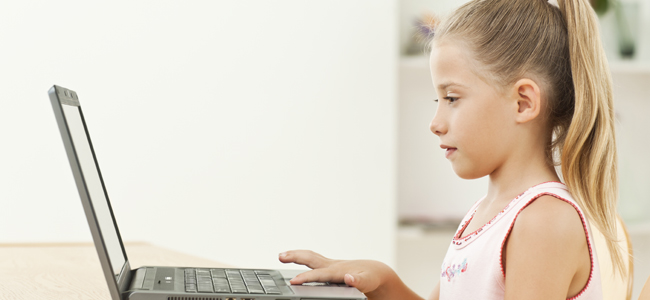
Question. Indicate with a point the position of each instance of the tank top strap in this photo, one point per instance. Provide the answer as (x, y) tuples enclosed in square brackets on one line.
[(468, 216), (552, 188)]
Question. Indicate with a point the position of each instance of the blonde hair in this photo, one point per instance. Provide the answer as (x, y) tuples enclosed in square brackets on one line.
[(560, 48)]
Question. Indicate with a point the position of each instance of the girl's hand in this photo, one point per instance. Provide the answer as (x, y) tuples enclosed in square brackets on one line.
[(368, 276)]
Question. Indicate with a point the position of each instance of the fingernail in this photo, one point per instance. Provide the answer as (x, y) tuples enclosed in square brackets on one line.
[(283, 254), (349, 277)]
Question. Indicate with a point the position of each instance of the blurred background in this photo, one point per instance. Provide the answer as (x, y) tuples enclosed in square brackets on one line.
[(235, 130)]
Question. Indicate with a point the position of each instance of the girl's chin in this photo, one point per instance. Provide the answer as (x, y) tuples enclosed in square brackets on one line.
[(466, 172)]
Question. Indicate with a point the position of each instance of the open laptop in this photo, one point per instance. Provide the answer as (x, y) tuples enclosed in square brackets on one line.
[(164, 283)]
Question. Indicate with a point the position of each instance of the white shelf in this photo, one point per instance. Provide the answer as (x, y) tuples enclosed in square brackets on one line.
[(639, 228), (630, 67), (616, 67)]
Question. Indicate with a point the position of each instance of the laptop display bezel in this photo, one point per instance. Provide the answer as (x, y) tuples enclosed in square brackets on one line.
[(60, 96)]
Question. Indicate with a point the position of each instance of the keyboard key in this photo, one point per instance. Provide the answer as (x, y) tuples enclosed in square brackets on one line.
[(222, 290), (219, 280), (218, 273), (267, 281), (204, 288)]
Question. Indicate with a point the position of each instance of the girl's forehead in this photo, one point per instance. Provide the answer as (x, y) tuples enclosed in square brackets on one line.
[(451, 62), (451, 66)]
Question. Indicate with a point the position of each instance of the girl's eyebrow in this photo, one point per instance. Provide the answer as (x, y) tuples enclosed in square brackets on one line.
[(445, 85)]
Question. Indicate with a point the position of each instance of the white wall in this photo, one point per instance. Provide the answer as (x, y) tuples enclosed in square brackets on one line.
[(233, 130)]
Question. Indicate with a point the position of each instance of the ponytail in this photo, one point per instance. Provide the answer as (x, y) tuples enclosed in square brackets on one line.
[(588, 156)]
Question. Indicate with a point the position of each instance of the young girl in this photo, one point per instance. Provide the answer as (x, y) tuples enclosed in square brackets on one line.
[(522, 85)]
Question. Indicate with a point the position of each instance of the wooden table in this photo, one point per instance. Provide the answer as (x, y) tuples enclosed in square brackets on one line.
[(72, 271)]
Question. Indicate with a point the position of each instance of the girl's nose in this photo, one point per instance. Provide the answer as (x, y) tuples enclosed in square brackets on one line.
[(437, 125)]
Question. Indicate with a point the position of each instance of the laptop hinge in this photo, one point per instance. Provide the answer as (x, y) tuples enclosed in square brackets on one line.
[(124, 280), (138, 280)]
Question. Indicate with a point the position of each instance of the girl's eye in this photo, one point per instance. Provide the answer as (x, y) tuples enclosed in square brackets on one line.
[(451, 99)]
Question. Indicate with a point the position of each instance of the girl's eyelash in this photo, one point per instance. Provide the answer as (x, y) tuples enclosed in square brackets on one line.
[(450, 99)]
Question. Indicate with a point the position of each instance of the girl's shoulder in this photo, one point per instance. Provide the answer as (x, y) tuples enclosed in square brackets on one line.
[(549, 242)]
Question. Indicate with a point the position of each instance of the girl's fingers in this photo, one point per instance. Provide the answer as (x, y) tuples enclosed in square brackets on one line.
[(362, 281), (350, 280), (305, 257), (318, 275), (364, 275)]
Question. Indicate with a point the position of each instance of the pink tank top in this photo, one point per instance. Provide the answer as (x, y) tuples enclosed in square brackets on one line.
[(472, 268)]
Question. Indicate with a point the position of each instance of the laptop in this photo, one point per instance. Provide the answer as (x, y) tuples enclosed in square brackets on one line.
[(163, 283)]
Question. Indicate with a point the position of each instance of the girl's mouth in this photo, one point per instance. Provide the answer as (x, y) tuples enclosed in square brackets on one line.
[(449, 152)]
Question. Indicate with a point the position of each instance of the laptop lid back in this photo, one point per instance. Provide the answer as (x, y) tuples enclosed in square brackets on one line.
[(92, 191)]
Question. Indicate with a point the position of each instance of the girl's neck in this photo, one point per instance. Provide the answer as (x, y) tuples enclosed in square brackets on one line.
[(516, 176)]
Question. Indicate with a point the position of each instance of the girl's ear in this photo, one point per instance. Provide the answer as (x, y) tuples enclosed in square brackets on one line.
[(528, 96)]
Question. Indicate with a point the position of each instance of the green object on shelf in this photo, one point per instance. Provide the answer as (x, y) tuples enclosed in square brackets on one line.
[(627, 19), (600, 6)]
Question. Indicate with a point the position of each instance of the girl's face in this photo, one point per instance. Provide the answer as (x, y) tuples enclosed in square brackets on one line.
[(473, 119)]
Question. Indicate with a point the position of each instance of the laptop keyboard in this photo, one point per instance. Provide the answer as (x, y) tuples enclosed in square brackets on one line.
[(231, 281)]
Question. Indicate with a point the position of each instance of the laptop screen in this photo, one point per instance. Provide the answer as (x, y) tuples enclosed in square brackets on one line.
[(94, 186)]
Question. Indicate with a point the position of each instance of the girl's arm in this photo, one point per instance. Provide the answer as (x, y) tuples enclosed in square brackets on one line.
[(375, 279), (546, 254)]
